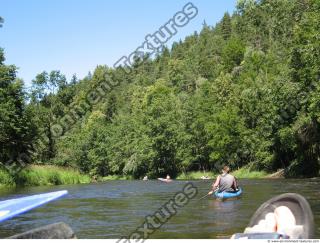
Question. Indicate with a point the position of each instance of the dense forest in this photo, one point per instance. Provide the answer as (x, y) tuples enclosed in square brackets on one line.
[(245, 92)]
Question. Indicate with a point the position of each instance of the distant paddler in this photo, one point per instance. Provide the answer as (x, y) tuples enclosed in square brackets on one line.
[(167, 179)]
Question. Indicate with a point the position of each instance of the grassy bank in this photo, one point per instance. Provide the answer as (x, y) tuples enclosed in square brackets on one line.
[(6, 179), (114, 178), (243, 173), (43, 176), (54, 175)]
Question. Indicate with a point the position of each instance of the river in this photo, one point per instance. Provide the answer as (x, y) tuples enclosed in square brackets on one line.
[(116, 208)]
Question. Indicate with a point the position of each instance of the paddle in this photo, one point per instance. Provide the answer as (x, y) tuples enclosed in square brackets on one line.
[(204, 196), (209, 193)]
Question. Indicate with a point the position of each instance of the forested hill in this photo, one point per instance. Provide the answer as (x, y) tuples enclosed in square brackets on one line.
[(244, 92)]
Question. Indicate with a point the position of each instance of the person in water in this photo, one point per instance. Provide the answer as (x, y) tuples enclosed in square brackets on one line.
[(167, 179), (206, 177), (225, 182)]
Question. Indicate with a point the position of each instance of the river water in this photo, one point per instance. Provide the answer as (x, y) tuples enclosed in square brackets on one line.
[(117, 208)]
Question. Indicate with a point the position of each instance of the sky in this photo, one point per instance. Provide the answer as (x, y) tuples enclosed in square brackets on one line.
[(74, 36)]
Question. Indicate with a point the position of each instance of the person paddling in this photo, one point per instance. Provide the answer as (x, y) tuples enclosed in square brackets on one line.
[(224, 182)]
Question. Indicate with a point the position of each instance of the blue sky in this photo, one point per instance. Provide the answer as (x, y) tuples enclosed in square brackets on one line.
[(74, 36)]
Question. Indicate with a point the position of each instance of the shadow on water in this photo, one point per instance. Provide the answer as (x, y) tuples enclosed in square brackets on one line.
[(116, 208)]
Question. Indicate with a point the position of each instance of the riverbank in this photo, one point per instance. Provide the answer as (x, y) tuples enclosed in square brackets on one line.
[(46, 175), (243, 173), (114, 178)]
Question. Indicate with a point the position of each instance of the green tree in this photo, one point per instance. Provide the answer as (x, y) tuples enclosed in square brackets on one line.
[(49, 96), (233, 53), (226, 27), (16, 130)]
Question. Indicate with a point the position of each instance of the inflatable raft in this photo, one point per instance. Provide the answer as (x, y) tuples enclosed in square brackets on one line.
[(14, 207), (228, 195), (164, 180)]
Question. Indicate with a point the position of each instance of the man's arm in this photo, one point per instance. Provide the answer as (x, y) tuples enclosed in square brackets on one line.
[(216, 184), (235, 184)]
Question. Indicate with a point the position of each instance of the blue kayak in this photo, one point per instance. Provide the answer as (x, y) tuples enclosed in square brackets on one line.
[(13, 207), (228, 195)]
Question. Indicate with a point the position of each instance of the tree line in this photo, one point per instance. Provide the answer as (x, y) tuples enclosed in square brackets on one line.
[(244, 92)]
